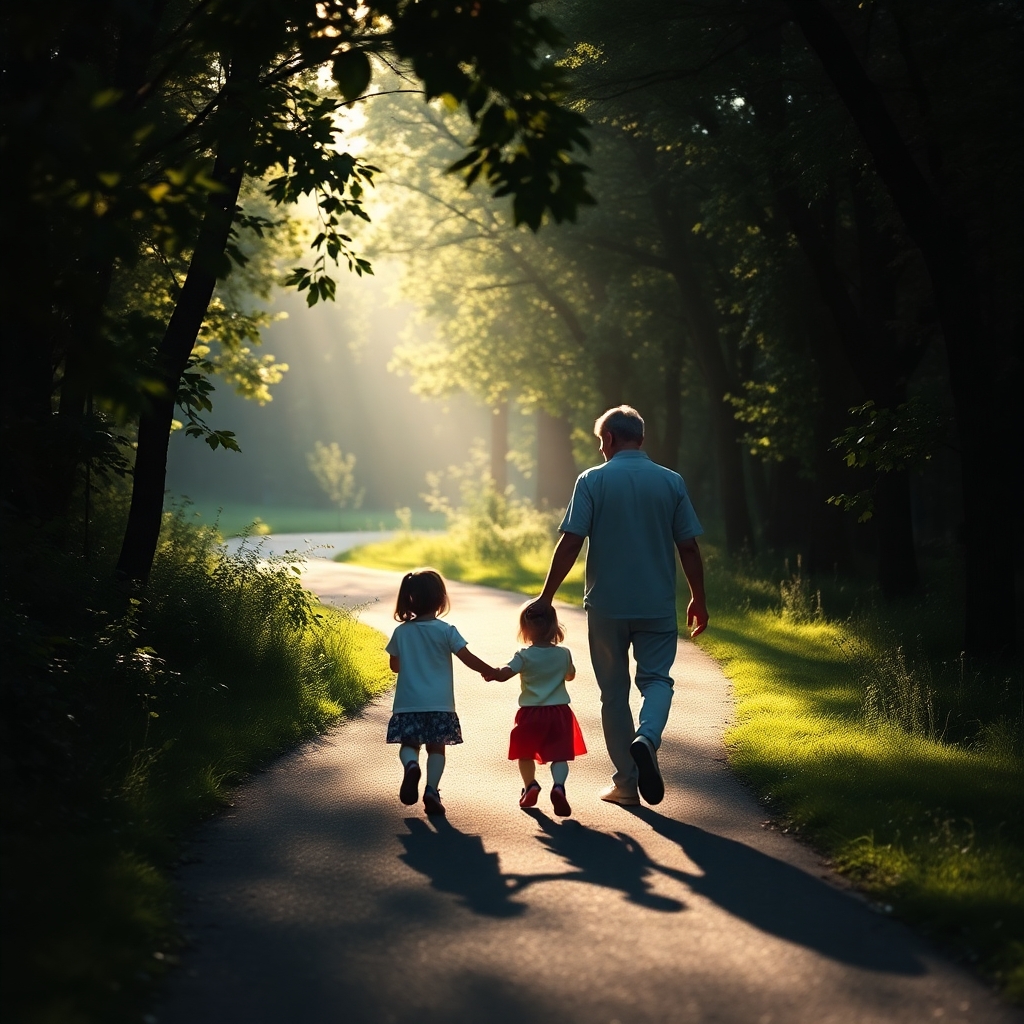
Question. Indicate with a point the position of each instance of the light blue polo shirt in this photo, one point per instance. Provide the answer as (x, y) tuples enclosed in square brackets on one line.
[(634, 512)]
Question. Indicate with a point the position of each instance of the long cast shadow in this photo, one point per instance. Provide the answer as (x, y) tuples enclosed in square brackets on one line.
[(458, 864), (782, 900), (614, 861)]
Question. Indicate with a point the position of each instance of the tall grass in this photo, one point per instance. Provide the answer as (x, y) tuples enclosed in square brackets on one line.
[(128, 718), (870, 735), (492, 539)]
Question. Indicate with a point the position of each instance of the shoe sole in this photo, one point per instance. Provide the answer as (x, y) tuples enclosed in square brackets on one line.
[(529, 797), (560, 804), (651, 785), (410, 791), (432, 805)]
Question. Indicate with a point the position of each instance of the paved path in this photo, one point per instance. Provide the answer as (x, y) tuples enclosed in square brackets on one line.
[(319, 898)]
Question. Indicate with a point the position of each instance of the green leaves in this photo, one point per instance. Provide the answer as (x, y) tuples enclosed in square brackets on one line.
[(351, 70), (193, 397)]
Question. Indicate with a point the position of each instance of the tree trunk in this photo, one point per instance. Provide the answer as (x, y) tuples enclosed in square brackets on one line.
[(979, 375), (499, 447), (674, 352), (556, 467), (898, 573), (725, 430), (145, 513)]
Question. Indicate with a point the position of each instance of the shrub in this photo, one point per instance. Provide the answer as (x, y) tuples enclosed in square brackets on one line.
[(126, 718)]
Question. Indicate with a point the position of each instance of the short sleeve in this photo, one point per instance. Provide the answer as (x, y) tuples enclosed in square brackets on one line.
[(685, 524), (570, 667), (516, 664), (579, 516), (455, 641), (393, 645)]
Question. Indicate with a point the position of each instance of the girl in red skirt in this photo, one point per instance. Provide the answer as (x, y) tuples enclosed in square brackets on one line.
[(545, 729)]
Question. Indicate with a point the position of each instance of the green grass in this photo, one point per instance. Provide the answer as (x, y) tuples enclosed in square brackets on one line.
[(235, 518), (930, 828), (458, 561), (126, 722)]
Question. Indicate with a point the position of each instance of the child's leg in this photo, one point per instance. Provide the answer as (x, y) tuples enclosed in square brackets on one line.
[(435, 763), (559, 773), (410, 790), (528, 770)]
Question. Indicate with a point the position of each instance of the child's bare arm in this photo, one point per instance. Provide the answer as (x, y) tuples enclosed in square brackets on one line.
[(394, 662), (570, 675), (472, 661), (501, 675)]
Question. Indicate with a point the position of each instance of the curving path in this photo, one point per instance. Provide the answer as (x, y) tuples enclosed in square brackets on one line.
[(320, 898)]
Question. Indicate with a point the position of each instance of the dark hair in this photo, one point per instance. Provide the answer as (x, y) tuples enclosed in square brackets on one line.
[(623, 422), (422, 593), (539, 624)]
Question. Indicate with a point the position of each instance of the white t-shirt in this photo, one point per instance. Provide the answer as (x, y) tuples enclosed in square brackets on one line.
[(542, 672), (424, 648)]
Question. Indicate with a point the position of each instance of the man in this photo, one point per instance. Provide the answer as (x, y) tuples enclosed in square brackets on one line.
[(637, 515)]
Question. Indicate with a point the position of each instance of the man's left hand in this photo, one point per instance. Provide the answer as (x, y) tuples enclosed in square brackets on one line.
[(696, 618)]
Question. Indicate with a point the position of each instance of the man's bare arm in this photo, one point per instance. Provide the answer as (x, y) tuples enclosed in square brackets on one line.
[(693, 570), (566, 552)]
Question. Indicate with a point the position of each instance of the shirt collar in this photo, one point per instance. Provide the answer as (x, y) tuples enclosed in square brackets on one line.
[(630, 453)]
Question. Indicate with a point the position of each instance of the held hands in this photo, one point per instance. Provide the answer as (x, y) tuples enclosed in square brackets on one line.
[(498, 675)]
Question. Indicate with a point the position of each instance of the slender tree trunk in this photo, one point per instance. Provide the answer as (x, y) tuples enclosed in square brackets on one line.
[(499, 447), (726, 431), (556, 467), (144, 516), (980, 377), (674, 352)]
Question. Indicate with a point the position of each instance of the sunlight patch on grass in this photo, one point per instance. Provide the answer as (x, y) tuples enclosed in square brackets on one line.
[(457, 561), (930, 829)]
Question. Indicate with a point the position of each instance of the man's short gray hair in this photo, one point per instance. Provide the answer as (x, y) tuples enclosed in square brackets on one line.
[(623, 422)]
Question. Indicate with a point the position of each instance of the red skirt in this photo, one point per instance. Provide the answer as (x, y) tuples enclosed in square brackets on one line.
[(546, 733)]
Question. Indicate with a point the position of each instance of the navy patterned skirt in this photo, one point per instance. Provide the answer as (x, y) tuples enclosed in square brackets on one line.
[(413, 727)]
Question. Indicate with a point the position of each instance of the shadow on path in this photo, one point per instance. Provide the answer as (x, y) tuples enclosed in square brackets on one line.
[(784, 901), (614, 861), (457, 863)]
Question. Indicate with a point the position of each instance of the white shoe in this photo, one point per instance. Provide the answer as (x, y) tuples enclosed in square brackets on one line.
[(617, 795)]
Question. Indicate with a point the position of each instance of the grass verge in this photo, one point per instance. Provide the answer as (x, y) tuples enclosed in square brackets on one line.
[(872, 742), (458, 560), (125, 722), (233, 518)]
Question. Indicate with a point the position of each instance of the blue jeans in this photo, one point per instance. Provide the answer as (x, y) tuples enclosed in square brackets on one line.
[(654, 647)]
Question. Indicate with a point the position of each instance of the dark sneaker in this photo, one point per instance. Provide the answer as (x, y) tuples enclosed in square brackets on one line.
[(528, 797), (559, 803), (410, 791), (651, 785), (432, 801)]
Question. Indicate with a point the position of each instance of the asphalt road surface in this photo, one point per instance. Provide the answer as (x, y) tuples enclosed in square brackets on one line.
[(319, 898)]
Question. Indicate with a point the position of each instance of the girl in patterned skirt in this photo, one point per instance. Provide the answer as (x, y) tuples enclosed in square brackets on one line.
[(421, 650), (545, 729)]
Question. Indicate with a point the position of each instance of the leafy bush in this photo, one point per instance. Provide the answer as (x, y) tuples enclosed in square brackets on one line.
[(126, 718), (493, 527)]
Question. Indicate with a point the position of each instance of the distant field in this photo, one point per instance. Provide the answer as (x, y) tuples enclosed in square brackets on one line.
[(234, 518)]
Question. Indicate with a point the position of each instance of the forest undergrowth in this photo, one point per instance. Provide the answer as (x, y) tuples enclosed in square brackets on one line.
[(858, 724), (127, 720)]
